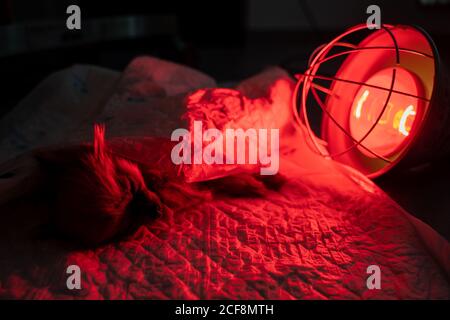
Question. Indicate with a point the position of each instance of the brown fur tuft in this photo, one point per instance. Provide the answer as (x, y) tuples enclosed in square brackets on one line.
[(97, 194)]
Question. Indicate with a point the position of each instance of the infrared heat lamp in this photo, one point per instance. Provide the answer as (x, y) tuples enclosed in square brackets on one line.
[(375, 100)]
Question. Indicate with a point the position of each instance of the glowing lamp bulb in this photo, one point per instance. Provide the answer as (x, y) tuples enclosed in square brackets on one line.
[(393, 127), (382, 101)]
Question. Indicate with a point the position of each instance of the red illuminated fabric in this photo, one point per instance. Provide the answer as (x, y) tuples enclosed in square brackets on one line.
[(309, 233), (224, 109)]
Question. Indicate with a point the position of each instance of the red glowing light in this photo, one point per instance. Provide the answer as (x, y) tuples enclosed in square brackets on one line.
[(376, 103), (393, 128)]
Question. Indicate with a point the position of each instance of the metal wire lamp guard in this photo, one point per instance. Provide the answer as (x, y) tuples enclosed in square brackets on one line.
[(307, 84)]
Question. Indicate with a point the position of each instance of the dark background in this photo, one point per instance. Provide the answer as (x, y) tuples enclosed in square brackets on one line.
[(229, 40)]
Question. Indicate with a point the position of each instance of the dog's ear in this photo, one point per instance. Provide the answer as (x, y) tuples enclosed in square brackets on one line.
[(60, 157)]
